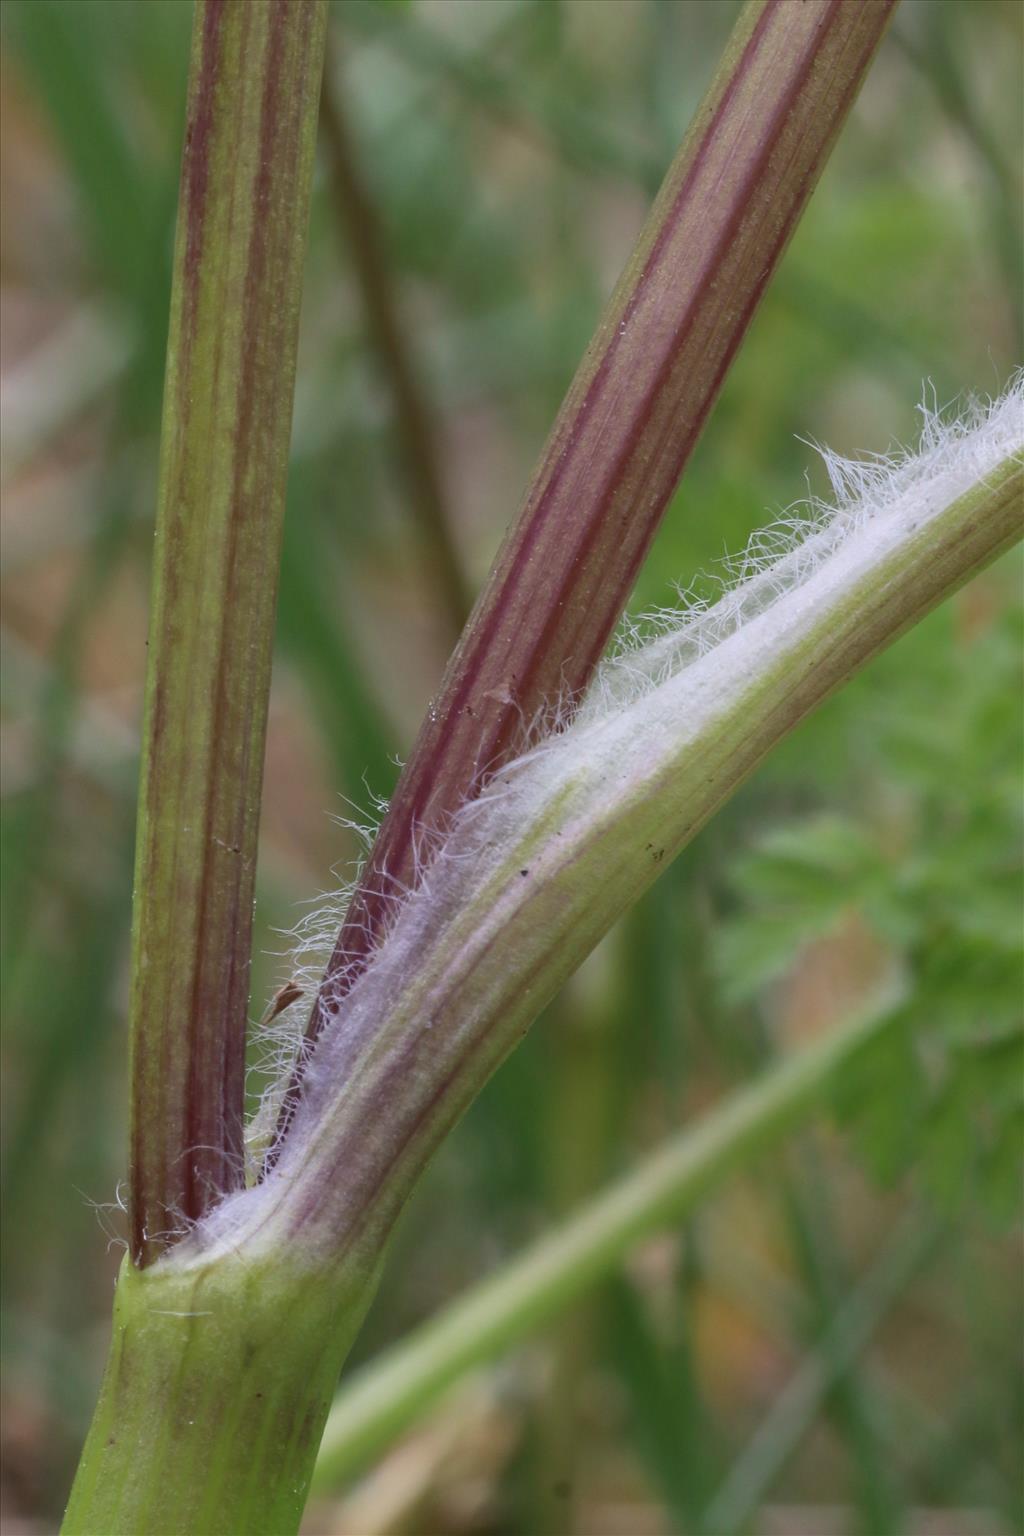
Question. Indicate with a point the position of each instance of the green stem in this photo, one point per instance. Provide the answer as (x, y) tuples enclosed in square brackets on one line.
[(245, 191), (390, 1394), (217, 1385)]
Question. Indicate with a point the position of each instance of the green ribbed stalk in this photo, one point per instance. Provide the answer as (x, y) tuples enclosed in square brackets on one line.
[(245, 191), (214, 1399)]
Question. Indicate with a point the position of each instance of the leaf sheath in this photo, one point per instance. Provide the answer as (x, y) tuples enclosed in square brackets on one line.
[(630, 421)]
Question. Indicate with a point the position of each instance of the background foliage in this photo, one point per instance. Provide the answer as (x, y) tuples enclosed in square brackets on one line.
[(819, 1350)]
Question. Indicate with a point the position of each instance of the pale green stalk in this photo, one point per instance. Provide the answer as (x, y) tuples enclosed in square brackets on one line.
[(393, 1392), (537, 870)]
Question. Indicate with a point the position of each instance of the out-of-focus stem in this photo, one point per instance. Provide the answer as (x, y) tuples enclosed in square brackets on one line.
[(629, 422), (391, 1393), (413, 423), (243, 216)]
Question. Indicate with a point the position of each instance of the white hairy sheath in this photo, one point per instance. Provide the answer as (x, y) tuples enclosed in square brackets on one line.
[(533, 871)]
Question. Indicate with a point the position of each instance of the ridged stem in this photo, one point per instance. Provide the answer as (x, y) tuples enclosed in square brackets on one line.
[(630, 421), (218, 1381), (243, 215), (529, 881)]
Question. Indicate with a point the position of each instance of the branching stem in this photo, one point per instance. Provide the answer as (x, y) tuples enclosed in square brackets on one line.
[(630, 421)]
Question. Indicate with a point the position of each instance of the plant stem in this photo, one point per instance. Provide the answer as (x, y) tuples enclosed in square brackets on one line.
[(217, 1385), (389, 1394), (629, 423), (245, 190), (272, 1283), (532, 877), (415, 429)]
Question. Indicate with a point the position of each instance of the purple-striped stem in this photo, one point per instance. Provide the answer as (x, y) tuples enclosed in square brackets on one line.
[(534, 872), (245, 188), (628, 425)]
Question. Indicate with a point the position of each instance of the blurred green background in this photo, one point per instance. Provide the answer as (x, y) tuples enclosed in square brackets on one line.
[(507, 151)]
